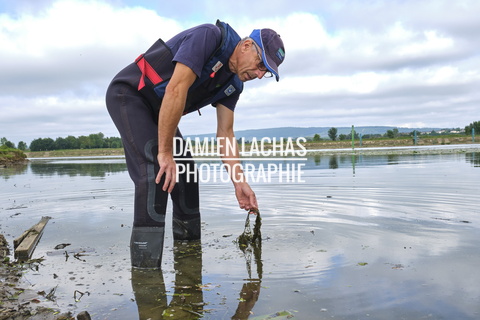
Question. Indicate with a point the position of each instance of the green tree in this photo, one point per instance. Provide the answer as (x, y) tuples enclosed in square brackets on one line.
[(113, 142), (36, 144), (332, 133), (42, 144), (84, 142), (342, 137), (96, 140), (474, 125), (392, 133), (22, 146), (61, 144), (355, 136), (316, 137), (72, 142), (5, 142), (9, 144)]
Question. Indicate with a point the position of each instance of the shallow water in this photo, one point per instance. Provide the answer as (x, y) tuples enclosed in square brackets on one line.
[(364, 237)]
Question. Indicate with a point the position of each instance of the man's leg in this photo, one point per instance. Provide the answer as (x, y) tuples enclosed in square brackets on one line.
[(185, 196), (137, 126)]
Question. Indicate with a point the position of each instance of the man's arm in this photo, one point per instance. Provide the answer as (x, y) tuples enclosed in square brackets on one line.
[(171, 111), (226, 138)]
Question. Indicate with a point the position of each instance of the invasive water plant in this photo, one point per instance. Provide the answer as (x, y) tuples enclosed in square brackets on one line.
[(249, 237)]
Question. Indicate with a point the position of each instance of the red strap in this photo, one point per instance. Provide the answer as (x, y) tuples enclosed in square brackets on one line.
[(147, 71)]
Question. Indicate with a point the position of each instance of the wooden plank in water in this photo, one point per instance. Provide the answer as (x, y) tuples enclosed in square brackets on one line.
[(26, 243)]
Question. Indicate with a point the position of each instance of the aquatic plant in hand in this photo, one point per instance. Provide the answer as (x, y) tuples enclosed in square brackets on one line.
[(248, 237)]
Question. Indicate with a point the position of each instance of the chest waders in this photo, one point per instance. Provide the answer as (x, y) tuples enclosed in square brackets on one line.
[(133, 101)]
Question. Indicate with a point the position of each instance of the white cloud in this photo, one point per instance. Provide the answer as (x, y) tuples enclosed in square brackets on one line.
[(395, 62), (78, 24)]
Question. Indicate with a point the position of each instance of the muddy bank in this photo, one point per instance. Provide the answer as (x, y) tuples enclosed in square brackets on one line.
[(75, 153), (10, 157), (17, 300)]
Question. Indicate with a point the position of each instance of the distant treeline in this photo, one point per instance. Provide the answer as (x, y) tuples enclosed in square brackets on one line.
[(474, 126), (92, 141), (394, 133), (98, 140)]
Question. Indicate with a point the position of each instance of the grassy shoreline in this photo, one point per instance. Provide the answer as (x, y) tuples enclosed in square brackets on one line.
[(10, 156), (368, 146), (76, 153)]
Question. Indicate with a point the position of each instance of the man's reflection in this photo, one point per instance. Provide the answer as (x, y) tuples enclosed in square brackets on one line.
[(251, 289), (187, 301), (248, 297)]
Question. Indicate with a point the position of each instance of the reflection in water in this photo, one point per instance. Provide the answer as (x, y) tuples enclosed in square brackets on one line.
[(251, 289), (353, 163), (98, 169), (187, 301), (101, 168), (10, 171), (248, 297), (333, 162), (393, 159), (473, 158)]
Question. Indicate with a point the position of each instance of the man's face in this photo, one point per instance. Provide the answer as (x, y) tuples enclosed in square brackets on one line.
[(250, 65)]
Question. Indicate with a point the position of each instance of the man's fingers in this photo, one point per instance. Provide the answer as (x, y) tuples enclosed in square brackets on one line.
[(172, 183), (167, 182), (159, 176), (253, 200)]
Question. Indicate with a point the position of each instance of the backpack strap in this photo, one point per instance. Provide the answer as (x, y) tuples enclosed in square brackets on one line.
[(147, 71)]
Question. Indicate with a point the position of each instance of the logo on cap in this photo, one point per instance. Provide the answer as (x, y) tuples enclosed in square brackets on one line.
[(280, 54)]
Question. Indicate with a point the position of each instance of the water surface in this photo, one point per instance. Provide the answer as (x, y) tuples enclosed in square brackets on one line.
[(364, 237)]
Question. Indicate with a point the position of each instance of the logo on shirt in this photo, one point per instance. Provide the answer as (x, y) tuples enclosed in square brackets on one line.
[(217, 66), (229, 90)]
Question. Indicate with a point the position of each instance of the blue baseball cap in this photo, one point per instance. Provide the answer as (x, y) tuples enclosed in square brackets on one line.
[(273, 51)]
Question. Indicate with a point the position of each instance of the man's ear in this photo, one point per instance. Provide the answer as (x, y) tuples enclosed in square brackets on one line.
[(246, 45)]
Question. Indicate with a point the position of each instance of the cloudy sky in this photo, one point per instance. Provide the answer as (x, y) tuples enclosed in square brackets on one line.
[(406, 63)]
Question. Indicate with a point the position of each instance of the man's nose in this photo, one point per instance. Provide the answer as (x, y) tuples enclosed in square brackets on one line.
[(260, 74)]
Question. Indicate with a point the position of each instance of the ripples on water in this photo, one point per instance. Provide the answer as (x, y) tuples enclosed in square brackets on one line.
[(377, 237)]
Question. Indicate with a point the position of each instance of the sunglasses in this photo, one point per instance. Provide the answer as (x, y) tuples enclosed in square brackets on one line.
[(261, 66)]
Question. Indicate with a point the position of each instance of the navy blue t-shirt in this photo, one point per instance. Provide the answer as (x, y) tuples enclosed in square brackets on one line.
[(194, 47)]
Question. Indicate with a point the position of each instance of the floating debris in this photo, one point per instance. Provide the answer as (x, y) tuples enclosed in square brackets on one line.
[(61, 246), (26, 243), (280, 315)]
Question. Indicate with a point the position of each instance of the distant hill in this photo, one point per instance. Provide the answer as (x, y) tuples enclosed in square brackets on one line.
[(294, 132)]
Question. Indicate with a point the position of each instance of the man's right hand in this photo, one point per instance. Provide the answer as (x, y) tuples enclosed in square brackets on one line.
[(168, 167), (171, 110)]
